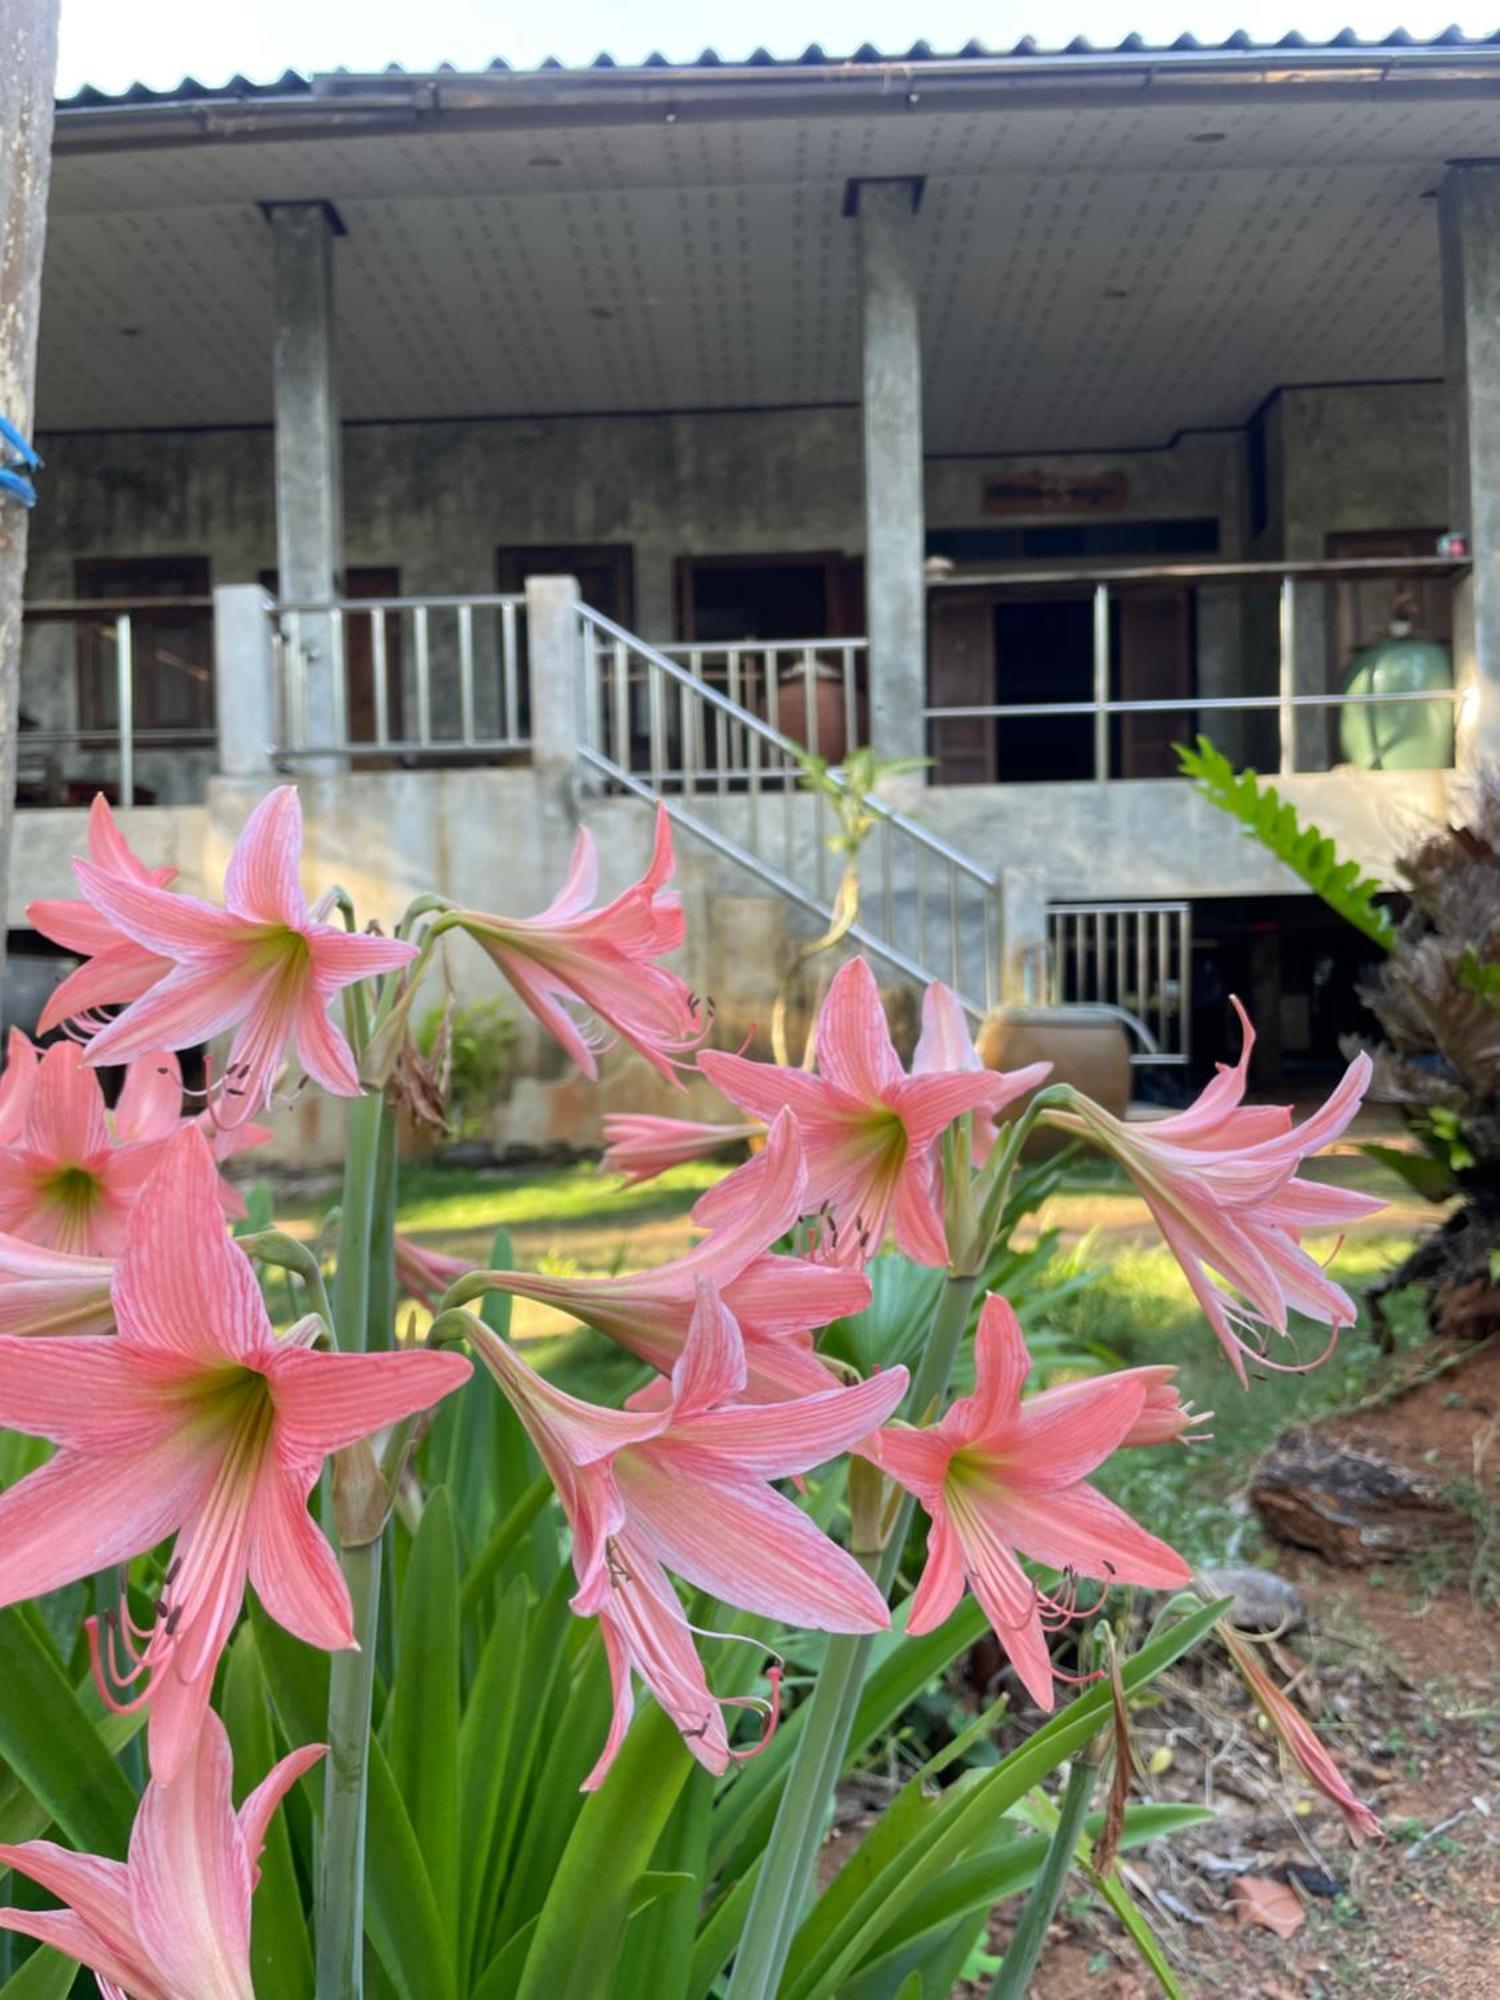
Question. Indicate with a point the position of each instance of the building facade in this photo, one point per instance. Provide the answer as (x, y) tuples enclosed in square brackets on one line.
[(1028, 414)]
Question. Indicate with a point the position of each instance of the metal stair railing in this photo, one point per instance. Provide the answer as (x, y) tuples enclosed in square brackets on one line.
[(654, 727)]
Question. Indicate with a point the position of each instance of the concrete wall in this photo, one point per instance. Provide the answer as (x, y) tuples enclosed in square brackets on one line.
[(437, 500)]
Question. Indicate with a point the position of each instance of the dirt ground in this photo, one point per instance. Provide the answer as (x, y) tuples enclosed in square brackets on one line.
[(1400, 1667)]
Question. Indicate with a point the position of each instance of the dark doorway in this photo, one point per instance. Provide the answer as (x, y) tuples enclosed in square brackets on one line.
[(1044, 652), (783, 596), (605, 573)]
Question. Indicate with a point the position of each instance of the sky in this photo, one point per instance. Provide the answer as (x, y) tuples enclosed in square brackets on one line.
[(112, 43)]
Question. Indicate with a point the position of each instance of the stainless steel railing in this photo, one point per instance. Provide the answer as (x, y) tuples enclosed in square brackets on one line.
[(654, 727), (1136, 960), (91, 669), (814, 691), (414, 679), (1300, 590)]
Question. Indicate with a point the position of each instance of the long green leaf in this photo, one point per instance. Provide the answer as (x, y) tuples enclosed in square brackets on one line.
[(658, 1945), (50, 1742), (502, 1973), (424, 1706), (46, 1975), (280, 1941), (573, 1954)]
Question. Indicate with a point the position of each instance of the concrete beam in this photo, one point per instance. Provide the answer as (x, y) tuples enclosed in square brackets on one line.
[(895, 589), (1469, 229), (309, 474)]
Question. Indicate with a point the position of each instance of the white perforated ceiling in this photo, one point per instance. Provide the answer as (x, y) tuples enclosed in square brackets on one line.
[(1097, 277)]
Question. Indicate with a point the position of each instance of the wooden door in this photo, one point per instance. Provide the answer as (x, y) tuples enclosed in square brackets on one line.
[(1363, 607), (961, 674), (605, 573), (359, 657), (1155, 655)]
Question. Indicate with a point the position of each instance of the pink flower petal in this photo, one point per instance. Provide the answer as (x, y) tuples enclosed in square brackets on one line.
[(259, 1808), (78, 1514), (797, 1435), (260, 881), (150, 1101), (326, 1401), (189, 1875), (855, 1051), (1080, 1530), (295, 1572), (322, 1049), (182, 1287), (734, 1536)]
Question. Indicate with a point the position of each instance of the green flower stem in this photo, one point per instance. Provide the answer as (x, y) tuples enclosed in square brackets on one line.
[(776, 1907), (341, 1871), (1025, 1948), (351, 1283), (341, 1875)]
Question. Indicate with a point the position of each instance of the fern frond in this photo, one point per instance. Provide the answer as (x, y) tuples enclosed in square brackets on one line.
[(1271, 820)]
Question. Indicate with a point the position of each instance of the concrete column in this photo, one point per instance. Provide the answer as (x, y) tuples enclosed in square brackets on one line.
[(1469, 225), (309, 477), (244, 680), (895, 591), (554, 657)]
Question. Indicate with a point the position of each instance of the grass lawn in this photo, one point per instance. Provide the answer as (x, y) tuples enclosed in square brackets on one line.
[(567, 1220)]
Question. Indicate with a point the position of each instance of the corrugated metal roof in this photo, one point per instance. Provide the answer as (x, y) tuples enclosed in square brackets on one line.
[(293, 83)]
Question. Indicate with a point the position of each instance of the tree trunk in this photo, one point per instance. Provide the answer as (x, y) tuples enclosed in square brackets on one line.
[(28, 72)]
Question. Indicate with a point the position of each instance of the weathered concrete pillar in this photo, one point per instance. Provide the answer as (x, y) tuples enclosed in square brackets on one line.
[(309, 474), (244, 680), (1469, 224), (895, 590), (554, 656)]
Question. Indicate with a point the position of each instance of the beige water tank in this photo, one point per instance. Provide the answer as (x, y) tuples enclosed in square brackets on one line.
[(1086, 1046)]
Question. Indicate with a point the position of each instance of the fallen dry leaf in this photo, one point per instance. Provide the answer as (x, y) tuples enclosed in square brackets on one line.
[(1272, 1905)]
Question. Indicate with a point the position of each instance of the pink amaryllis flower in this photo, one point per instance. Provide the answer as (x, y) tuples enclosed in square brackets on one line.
[(172, 1922), (776, 1300), (590, 974), (1221, 1182), (66, 1181), (264, 964), (1298, 1739), (999, 1474), (868, 1129), (193, 1419), (640, 1145), (116, 966), (945, 1045), (685, 1488)]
